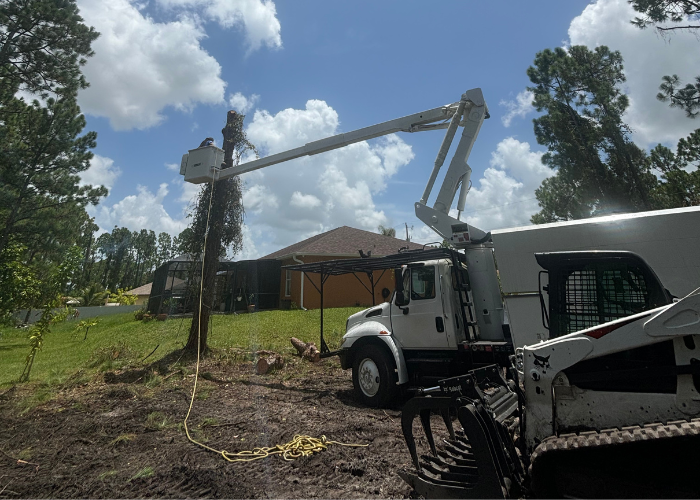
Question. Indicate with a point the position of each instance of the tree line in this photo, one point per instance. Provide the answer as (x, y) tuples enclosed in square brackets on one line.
[(125, 259)]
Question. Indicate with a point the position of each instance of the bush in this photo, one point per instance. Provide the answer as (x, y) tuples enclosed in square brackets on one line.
[(138, 315), (114, 356), (123, 298)]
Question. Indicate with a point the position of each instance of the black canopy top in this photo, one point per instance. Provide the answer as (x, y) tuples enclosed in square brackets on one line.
[(345, 266)]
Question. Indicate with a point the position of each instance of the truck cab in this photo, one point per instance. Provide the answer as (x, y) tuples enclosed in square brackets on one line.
[(426, 331)]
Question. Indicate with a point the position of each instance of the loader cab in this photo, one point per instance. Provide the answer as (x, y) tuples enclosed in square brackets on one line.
[(579, 290)]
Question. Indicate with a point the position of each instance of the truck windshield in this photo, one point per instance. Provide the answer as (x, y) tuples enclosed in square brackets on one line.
[(423, 283)]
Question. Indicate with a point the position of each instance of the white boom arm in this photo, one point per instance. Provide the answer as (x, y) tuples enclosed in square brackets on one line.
[(202, 164)]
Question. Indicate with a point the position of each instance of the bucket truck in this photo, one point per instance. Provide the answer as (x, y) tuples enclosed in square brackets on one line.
[(604, 388)]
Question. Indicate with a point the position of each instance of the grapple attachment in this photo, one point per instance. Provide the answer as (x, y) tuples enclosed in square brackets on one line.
[(480, 461)]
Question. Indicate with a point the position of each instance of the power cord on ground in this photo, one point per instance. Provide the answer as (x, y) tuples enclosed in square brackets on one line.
[(300, 446)]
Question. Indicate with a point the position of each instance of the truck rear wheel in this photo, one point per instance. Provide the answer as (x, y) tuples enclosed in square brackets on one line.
[(373, 376)]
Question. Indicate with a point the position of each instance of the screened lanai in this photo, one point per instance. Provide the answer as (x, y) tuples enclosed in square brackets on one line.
[(238, 285)]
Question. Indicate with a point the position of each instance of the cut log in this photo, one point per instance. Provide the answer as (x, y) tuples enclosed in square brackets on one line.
[(268, 363), (306, 351)]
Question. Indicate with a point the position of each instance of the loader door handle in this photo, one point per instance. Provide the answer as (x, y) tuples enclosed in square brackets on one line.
[(439, 325)]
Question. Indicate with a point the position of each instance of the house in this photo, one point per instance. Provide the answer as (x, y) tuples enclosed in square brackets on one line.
[(339, 291), (142, 293)]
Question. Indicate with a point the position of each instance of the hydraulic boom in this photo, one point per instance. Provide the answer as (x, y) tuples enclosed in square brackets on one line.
[(204, 164)]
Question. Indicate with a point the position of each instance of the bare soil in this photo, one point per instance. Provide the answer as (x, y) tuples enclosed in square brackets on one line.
[(124, 438)]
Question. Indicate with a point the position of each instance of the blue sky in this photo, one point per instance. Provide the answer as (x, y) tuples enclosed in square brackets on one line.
[(165, 72)]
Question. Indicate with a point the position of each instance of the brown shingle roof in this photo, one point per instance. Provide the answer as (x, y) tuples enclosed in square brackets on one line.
[(345, 240), (142, 290)]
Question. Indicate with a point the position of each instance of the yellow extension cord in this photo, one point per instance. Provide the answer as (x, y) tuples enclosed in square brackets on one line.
[(300, 446)]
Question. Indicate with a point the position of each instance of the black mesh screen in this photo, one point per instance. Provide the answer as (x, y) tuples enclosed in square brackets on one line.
[(595, 296)]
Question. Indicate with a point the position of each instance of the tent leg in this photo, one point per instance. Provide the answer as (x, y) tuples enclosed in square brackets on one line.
[(324, 347)]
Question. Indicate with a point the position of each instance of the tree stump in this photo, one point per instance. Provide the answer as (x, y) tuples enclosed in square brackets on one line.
[(307, 351), (268, 362)]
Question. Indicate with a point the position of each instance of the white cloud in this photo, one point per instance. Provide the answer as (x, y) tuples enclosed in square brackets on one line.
[(257, 17), (141, 67), (505, 195), (189, 191), (172, 166), (241, 103), (647, 57), (520, 108), (249, 250), (101, 172), (259, 197), (142, 210), (288, 202), (299, 200)]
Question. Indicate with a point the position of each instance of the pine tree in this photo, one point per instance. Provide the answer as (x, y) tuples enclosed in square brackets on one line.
[(598, 168)]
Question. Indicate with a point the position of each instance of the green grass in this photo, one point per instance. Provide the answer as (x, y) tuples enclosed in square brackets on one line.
[(157, 421), (142, 474), (122, 439), (119, 341)]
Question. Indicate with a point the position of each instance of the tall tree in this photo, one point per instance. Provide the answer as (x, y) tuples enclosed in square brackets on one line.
[(387, 231), (41, 155), (19, 286), (221, 224), (680, 172), (598, 168), (87, 242), (121, 243), (668, 16), (165, 248), (656, 13), (43, 43), (184, 242)]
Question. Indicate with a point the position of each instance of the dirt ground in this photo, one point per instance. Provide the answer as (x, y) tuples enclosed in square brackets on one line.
[(122, 437)]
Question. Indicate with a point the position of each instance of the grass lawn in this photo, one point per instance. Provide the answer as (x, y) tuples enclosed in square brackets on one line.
[(65, 353)]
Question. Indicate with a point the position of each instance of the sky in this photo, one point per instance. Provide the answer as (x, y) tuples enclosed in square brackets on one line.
[(165, 73)]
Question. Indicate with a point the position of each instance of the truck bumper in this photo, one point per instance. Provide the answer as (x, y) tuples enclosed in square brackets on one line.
[(344, 358)]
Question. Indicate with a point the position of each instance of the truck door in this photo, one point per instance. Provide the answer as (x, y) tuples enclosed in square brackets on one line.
[(420, 323)]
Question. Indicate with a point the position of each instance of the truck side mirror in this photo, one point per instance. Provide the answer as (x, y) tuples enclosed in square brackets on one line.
[(400, 284)]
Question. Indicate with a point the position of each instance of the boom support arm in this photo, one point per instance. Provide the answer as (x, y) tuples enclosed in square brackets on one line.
[(200, 165)]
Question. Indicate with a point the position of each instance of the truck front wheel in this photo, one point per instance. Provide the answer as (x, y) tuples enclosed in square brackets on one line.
[(373, 376)]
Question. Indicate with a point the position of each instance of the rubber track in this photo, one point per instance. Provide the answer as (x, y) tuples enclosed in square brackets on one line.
[(608, 437), (620, 463)]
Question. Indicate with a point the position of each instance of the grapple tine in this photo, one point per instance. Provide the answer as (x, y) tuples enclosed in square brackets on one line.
[(425, 421), (421, 406), (445, 412), (407, 415), (476, 462)]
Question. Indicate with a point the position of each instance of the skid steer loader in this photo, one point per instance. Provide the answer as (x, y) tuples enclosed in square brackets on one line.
[(607, 407)]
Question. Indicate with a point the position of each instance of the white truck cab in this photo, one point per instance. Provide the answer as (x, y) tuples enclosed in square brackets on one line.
[(420, 333)]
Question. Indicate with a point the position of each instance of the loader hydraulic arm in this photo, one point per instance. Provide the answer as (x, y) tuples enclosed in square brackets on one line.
[(202, 165)]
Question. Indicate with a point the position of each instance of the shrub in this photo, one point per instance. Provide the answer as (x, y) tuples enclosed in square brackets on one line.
[(113, 356)]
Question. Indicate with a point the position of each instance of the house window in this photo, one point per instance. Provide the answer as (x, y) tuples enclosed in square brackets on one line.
[(288, 283)]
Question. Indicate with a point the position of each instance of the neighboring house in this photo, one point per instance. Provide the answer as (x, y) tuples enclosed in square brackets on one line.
[(142, 293), (339, 291)]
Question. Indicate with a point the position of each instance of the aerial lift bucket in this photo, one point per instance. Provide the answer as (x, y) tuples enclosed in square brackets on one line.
[(480, 461)]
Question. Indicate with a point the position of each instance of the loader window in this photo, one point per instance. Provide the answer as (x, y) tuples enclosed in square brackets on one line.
[(598, 294), (423, 283)]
